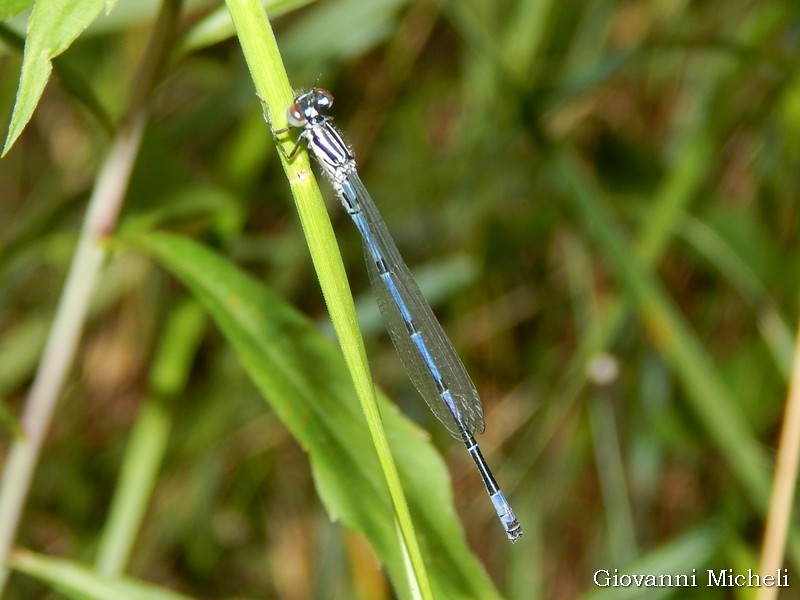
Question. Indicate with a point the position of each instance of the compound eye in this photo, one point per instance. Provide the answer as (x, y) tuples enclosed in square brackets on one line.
[(295, 115), (324, 99)]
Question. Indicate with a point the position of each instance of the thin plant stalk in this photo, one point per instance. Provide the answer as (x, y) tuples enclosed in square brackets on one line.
[(272, 84), (101, 219), (783, 483)]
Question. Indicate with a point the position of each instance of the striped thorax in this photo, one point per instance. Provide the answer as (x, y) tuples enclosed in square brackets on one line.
[(324, 143)]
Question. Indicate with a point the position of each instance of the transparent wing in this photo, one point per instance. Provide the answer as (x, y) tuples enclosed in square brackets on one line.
[(402, 300)]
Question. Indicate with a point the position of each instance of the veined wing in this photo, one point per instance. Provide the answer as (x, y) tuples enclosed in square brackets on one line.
[(432, 363)]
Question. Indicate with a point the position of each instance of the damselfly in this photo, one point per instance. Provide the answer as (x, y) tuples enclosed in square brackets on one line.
[(427, 353)]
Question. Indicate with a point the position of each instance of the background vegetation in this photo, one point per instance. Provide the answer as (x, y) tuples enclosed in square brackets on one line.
[(599, 199)]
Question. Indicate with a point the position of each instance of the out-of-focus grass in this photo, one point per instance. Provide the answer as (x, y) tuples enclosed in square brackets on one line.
[(622, 178)]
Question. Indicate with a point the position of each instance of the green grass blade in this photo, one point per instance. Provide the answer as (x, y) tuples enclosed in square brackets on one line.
[(708, 395), (76, 581), (149, 436), (680, 556)]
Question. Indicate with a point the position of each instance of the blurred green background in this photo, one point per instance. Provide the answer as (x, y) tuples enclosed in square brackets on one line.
[(600, 200)]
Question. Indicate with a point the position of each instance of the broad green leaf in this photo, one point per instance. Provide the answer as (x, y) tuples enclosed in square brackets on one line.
[(305, 381)]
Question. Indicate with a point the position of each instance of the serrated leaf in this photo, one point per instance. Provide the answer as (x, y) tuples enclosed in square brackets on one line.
[(52, 28)]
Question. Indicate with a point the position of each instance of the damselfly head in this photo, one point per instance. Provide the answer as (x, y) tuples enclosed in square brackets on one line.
[(308, 107)]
